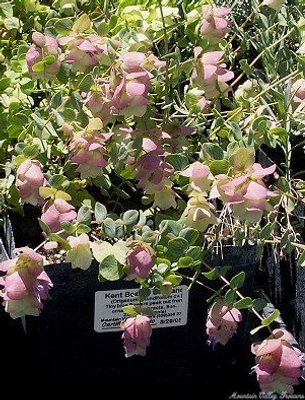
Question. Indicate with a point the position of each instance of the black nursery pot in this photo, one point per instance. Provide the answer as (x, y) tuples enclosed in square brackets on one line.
[(61, 349), (65, 350)]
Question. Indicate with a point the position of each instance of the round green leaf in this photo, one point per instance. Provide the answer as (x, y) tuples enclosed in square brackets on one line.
[(177, 246), (189, 234), (109, 227), (110, 269), (238, 280), (100, 212), (131, 217), (246, 302)]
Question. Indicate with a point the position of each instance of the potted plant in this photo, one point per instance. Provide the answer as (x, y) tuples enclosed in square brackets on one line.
[(133, 138)]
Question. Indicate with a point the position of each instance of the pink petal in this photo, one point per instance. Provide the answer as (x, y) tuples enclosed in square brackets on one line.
[(212, 57), (209, 70), (268, 346), (135, 89), (255, 191)]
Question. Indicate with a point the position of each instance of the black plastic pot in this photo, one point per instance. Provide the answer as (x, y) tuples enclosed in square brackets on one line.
[(63, 349), (60, 348)]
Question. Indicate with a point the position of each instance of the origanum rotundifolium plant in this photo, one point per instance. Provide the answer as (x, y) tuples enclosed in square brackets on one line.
[(134, 127)]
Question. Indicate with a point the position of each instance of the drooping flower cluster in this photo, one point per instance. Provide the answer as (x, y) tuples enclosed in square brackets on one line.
[(199, 212), (153, 173), (278, 363), (139, 262), (210, 73), (29, 178), (126, 91), (88, 149), (79, 255), (84, 51), (214, 25), (222, 322), (56, 211), (43, 57), (136, 335), (247, 193), (25, 283)]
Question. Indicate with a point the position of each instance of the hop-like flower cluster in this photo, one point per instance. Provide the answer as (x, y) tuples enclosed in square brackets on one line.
[(43, 57), (29, 178), (247, 193), (136, 336), (278, 363), (25, 283), (214, 25), (88, 150), (222, 322)]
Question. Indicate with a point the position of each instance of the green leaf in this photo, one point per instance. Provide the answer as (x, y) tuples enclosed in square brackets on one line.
[(86, 83), (11, 23), (238, 280), (178, 161), (57, 180), (109, 227), (169, 226), (177, 246), (195, 252), (100, 212), (31, 151), (110, 269), (212, 275), (68, 227), (173, 279), (246, 302), (63, 73), (64, 244), (130, 217), (103, 29), (82, 24), (218, 167), (243, 159), (230, 297), (101, 250), (166, 289), (49, 59), (189, 234), (223, 270), (63, 26), (267, 321), (236, 130), (267, 230), (39, 66), (130, 310), (145, 311), (82, 228), (143, 293), (245, 67), (4, 83), (283, 184), (211, 151), (149, 236), (44, 226), (84, 215), (57, 100), (259, 304), (185, 262), (120, 250), (163, 268)]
